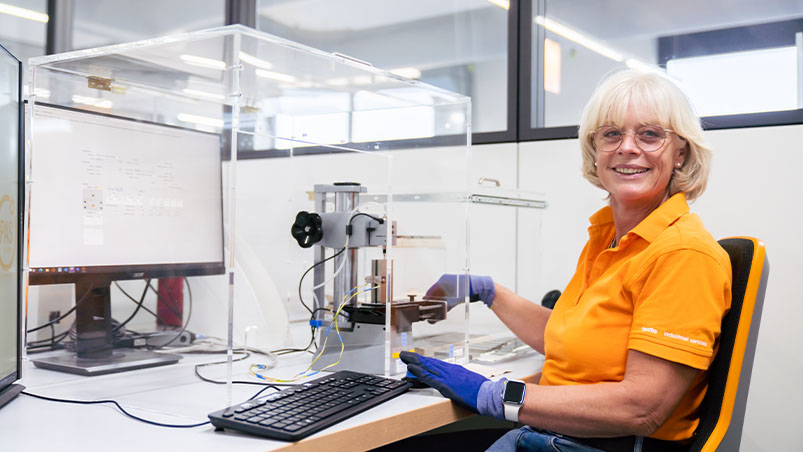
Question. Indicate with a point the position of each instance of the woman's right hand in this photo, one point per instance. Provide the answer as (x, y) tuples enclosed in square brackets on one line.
[(453, 289)]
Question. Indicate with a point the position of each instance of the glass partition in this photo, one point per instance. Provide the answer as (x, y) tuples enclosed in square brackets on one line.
[(317, 254), (461, 46)]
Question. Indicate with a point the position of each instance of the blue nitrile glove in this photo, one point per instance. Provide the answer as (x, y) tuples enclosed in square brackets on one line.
[(465, 387), (452, 287)]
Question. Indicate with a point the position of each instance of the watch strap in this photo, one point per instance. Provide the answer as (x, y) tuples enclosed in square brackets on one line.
[(511, 412)]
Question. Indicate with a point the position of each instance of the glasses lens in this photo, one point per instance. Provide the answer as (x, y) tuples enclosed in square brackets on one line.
[(650, 138), (607, 138)]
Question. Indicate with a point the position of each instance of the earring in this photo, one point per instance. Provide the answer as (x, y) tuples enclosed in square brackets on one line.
[(595, 164), (678, 164)]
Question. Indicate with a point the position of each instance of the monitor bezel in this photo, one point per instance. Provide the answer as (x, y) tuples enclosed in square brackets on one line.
[(7, 380), (103, 273)]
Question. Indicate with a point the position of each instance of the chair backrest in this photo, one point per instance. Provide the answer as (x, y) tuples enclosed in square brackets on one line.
[(722, 410)]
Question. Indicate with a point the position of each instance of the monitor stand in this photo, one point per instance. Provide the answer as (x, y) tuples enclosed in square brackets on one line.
[(9, 393), (94, 353)]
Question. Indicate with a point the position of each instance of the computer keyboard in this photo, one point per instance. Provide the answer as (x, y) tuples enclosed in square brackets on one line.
[(299, 411)]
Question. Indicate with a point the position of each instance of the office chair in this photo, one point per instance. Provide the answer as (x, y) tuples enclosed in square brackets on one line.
[(722, 410), (550, 298)]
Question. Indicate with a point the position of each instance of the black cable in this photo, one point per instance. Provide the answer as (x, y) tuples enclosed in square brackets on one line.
[(321, 309), (116, 331), (300, 298), (49, 341), (312, 313), (287, 351), (263, 390), (45, 348), (148, 285), (241, 382), (63, 316), (44, 345), (380, 220), (301, 280), (143, 306), (139, 304), (96, 402)]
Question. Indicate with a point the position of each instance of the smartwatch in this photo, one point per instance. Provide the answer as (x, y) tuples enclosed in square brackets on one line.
[(513, 399)]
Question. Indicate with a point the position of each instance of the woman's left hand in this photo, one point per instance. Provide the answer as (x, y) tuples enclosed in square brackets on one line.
[(465, 387)]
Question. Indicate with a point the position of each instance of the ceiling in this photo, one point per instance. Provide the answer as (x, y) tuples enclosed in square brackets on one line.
[(624, 18), (100, 22)]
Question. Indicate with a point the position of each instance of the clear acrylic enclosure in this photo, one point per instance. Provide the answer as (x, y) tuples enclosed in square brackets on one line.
[(320, 240)]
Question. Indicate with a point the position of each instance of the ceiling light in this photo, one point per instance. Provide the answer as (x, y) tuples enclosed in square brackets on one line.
[(254, 61), (574, 35), (93, 101), (204, 94), (275, 76), (362, 80), (504, 4), (339, 81), (202, 120), (407, 72), (552, 66), (23, 13), (203, 62)]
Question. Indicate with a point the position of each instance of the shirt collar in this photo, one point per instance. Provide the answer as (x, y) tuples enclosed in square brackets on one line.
[(660, 218), (656, 222)]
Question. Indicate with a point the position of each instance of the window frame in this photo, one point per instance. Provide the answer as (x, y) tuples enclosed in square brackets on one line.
[(772, 37), (520, 95)]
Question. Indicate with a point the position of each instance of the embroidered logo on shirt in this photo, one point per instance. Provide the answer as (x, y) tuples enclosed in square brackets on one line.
[(685, 339), (648, 329)]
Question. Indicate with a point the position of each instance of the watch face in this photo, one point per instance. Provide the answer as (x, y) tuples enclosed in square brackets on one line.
[(514, 392)]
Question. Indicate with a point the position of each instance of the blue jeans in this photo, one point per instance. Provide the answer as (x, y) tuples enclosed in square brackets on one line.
[(527, 439)]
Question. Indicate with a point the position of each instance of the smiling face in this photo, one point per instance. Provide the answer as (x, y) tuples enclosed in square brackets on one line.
[(635, 179)]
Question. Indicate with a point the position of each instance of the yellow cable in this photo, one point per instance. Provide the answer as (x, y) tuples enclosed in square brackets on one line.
[(298, 376)]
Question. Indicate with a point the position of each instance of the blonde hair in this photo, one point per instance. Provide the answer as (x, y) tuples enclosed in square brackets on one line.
[(657, 95)]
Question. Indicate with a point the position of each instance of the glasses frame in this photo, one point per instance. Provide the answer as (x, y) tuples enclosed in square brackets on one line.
[(593, 133)]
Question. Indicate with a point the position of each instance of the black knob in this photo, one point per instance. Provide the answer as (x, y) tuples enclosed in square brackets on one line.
[(307, 229)]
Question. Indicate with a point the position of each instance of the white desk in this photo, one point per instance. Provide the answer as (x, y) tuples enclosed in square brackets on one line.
[(173, 394)]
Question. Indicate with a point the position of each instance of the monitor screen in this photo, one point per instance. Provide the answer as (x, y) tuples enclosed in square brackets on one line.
[(113, 198), (10, 222)]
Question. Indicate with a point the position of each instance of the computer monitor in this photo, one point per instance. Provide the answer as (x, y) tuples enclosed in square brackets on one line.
[(11, 195), (118, 199)]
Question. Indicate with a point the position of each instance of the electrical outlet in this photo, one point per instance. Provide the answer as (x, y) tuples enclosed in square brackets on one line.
[(53, 316)]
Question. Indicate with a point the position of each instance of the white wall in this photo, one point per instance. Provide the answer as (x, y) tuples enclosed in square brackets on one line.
[(751, 191), (754, 190)]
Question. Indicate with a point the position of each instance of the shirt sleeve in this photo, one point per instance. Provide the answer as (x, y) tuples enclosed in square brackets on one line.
[(678, 304)]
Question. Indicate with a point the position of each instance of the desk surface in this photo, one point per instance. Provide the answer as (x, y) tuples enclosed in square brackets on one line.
[(174, 394)]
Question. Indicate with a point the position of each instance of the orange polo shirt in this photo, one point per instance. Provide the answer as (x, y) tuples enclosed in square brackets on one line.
[(662, 291)]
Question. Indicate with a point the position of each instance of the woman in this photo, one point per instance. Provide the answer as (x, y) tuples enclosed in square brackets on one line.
[(629, 342)]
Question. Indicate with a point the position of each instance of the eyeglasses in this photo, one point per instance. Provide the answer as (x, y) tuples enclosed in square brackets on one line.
[(647, 138)]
